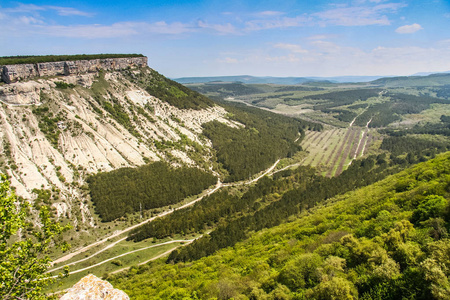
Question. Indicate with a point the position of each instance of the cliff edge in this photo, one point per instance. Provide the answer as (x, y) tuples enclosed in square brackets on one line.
[(13, 73)]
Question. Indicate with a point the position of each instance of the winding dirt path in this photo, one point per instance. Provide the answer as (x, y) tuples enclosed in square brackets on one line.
[(120, 232), (127, 253)]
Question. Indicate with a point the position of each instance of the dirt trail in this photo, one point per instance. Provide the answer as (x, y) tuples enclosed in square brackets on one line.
[(123, 254), (364, 134), (120, 232)]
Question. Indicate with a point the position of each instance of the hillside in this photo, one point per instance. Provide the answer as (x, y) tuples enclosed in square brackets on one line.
[(388, 240), (63, 135)]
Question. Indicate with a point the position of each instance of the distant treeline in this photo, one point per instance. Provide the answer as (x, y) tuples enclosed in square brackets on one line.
[(441, 128), (340, 98), (126, 190), (32, 59), (266, 137), (227, 89), (379, 114), (383, 114)]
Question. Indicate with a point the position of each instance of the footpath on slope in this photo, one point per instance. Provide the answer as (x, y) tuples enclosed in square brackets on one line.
[(120, 232)]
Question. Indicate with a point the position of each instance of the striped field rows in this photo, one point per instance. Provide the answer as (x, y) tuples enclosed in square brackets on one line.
[(332, 151)]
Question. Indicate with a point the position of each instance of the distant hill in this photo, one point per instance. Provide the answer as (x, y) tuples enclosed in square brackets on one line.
[(275, 80), (414, 81), (244, 79)]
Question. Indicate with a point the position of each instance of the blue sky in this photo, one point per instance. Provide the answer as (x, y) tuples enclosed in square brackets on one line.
[(261, 38)]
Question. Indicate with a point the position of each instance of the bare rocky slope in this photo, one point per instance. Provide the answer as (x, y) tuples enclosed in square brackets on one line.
[(56, 131)]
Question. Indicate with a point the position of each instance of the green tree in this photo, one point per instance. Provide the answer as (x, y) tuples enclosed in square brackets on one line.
[(24, 248)]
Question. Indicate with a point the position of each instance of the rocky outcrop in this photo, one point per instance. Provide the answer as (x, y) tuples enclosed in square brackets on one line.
[(13, 73), (91, 287)]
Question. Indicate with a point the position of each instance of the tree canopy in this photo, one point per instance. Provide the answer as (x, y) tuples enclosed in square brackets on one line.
[(24, 247)]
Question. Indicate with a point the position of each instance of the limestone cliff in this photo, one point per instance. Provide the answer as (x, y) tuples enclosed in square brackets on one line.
[(91, 287), (13, 73)]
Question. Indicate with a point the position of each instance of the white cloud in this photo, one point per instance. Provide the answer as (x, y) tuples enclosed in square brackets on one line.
[(408, 28), (291, 47), (228, 60), (321, 37), (219, 28), (269, 13), (69, 11), (358, 15), (60, 10), (29, 20), (285, 22), (122, 29), (323, 58)]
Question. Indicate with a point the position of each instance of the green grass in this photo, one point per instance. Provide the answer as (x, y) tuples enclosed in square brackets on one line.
[(126, 261)]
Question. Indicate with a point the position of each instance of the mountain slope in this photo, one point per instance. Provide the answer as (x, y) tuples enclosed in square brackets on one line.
[(57, 131), (385, 241)]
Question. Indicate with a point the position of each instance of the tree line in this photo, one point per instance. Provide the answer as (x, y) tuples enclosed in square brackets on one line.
[(34, 59)]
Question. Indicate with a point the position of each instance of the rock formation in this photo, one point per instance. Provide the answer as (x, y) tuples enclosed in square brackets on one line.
[(91, 287), (13, 73)]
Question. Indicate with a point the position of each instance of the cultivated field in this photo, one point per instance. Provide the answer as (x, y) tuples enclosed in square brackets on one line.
[(333, 150)]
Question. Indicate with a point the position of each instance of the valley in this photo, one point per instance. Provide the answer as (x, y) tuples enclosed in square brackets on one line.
[(232, 185)]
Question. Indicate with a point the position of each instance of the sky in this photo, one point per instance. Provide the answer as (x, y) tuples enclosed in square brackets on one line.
[(243, 37)]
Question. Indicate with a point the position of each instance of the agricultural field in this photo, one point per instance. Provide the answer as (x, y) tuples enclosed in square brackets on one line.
[(333, 150)]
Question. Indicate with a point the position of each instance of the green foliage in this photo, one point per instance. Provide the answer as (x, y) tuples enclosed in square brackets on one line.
[(339, 98), (382, 114), (432, 207), (170, 91), (48, 124), (312, 190), (358, 245), (24, 248), (441, 128), (64, 85), (13, 60), (127, 190), (265, 138), (211, 210)]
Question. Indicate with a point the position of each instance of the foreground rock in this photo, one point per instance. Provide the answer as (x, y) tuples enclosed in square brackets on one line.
[(91, 287)]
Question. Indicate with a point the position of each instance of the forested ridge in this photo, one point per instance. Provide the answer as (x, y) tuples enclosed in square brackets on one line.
[(127, 190), (388, 240)]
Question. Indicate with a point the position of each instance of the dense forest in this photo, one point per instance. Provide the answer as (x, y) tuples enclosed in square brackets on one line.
[(265, 138), (127, 190), (440, 128), (386, 241), (222, 207), (31, 59), (313, 189), (339, 98), (382, 114)]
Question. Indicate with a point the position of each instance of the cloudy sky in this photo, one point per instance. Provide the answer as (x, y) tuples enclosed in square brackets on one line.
[(252, 37)]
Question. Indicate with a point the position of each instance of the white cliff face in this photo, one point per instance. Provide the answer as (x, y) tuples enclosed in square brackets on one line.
[(91, 287), (86, 138), (13, 73)]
